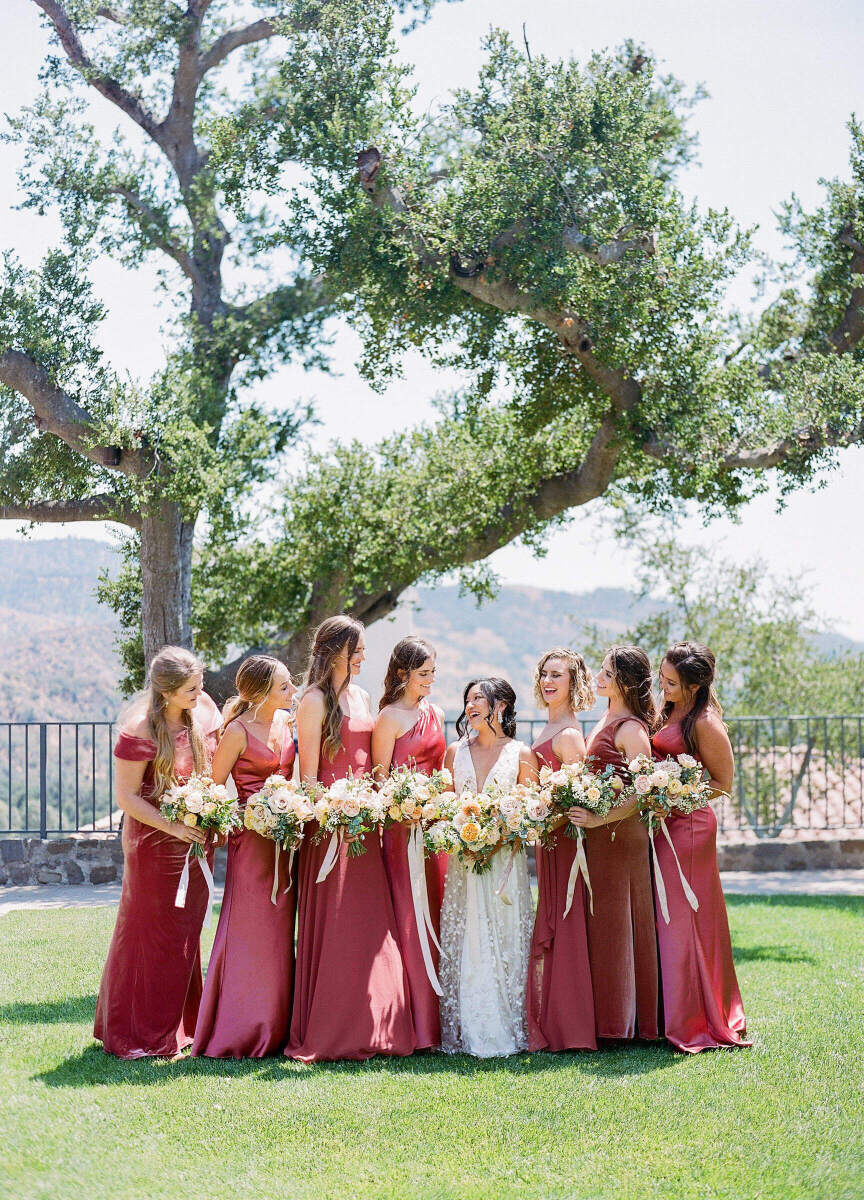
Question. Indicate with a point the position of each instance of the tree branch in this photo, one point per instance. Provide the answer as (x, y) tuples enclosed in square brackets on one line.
[(152, 222), (258, 31), (57, 412), (850, 331), (110, 14), (108, 87), (92, 508), (809, 439), (608, 252)]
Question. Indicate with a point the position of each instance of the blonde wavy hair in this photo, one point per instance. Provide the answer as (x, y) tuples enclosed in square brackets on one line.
[(581, 696), (171, 668), (331, 638), (253, 682)]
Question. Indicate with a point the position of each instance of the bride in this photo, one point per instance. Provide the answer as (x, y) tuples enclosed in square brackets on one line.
[(485, 938)]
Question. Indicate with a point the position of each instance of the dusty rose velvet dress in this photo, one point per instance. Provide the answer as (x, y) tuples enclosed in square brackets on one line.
[(246, 1007), (560, 999), (421, 748), (622, 943), (151, 983), (351, 997), (702, 1006)]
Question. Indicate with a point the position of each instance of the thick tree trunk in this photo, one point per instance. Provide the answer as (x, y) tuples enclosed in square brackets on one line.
[(166, 577)]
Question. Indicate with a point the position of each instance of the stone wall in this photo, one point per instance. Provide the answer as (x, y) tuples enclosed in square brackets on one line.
[(98, 858)]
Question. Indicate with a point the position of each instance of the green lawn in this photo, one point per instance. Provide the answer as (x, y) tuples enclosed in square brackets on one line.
[(781, 1120)]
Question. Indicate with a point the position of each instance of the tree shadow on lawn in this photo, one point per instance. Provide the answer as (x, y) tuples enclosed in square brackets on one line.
[(841, 903), (94, 1067), (785, 954), (71, 1009)]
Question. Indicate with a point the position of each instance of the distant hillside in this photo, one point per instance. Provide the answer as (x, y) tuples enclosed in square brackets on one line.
[(59, 661)]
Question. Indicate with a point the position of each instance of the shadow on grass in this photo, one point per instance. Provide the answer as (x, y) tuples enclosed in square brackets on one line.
[(786, 954), (74, 1009), (850, 904), (94, 1067)]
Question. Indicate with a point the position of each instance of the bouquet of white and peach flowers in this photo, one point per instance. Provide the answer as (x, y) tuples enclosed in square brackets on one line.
[(524, 814), (475, 818), (200, 803), (279, 812), (673, 783), (575, 784), (348, 809), (659, 787), (408, 796)]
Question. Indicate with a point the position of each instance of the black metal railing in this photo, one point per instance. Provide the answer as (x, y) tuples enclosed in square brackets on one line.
[(791, 773)]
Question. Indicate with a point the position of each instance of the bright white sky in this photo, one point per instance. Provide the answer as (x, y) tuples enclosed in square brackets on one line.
[(783, 78)]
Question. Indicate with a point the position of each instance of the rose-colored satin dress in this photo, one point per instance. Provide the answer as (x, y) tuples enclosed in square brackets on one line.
[(351, 997), (702, 1005), (246, 1007), (151, 983), (421, 748), (622, 944), (560, 998)]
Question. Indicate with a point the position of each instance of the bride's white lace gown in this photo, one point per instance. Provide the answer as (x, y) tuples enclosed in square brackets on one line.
[(485, 942)]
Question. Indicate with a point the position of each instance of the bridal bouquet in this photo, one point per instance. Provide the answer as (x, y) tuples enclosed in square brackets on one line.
[(279, 812), (349, 807), (206, 805), (409, 796), (657, 788), (477, 829), (524, 813)]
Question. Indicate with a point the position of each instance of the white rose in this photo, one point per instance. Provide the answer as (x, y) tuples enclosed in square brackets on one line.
[(194, 802), (659, 779), (687, 760)]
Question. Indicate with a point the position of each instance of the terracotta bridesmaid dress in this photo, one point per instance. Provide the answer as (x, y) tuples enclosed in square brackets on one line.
[(702, 1005), (351, 996), (421, 748), (151, 983), (560, 999), (246, 1007), (622, 944)]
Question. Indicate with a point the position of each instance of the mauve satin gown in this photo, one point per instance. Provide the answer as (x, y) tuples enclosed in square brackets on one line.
[(421, 748), (702, 1005), (560, 999), (246, 1007), (351, 996), (151, 983), (622, 943)]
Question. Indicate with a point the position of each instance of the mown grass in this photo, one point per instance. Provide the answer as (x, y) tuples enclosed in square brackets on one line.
[(782, 1120)]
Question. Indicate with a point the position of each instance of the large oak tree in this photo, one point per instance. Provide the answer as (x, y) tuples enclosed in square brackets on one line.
[(531, 233)]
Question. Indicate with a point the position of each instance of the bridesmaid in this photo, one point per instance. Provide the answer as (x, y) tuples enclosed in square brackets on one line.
[(622, 944), (560, 999), (246, 1007), (151, 984), (701, 1001), (351, 997), (409, 731)]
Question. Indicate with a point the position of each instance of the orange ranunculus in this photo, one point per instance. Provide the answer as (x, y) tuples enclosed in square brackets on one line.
[(470, 831)]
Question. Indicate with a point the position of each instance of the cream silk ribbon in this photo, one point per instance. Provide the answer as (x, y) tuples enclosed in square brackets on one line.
[(420, 898), (658, 874), (499, 891), (331, 855), (183, 886), (275, 888), (578, 867)]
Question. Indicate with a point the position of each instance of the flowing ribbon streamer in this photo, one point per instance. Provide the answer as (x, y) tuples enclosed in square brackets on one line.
[(499, 891), (291, 854), (658, 876), (578, 867), (275, 887), (183, 886), (331, 855), (420, 897), (688, 891)]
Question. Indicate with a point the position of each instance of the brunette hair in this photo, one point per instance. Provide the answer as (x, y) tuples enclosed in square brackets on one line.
[(407, 656), (695, 666), (631, 669), (253, 682), (581, 689), (495, 691), (331, 637), (169, 670)]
